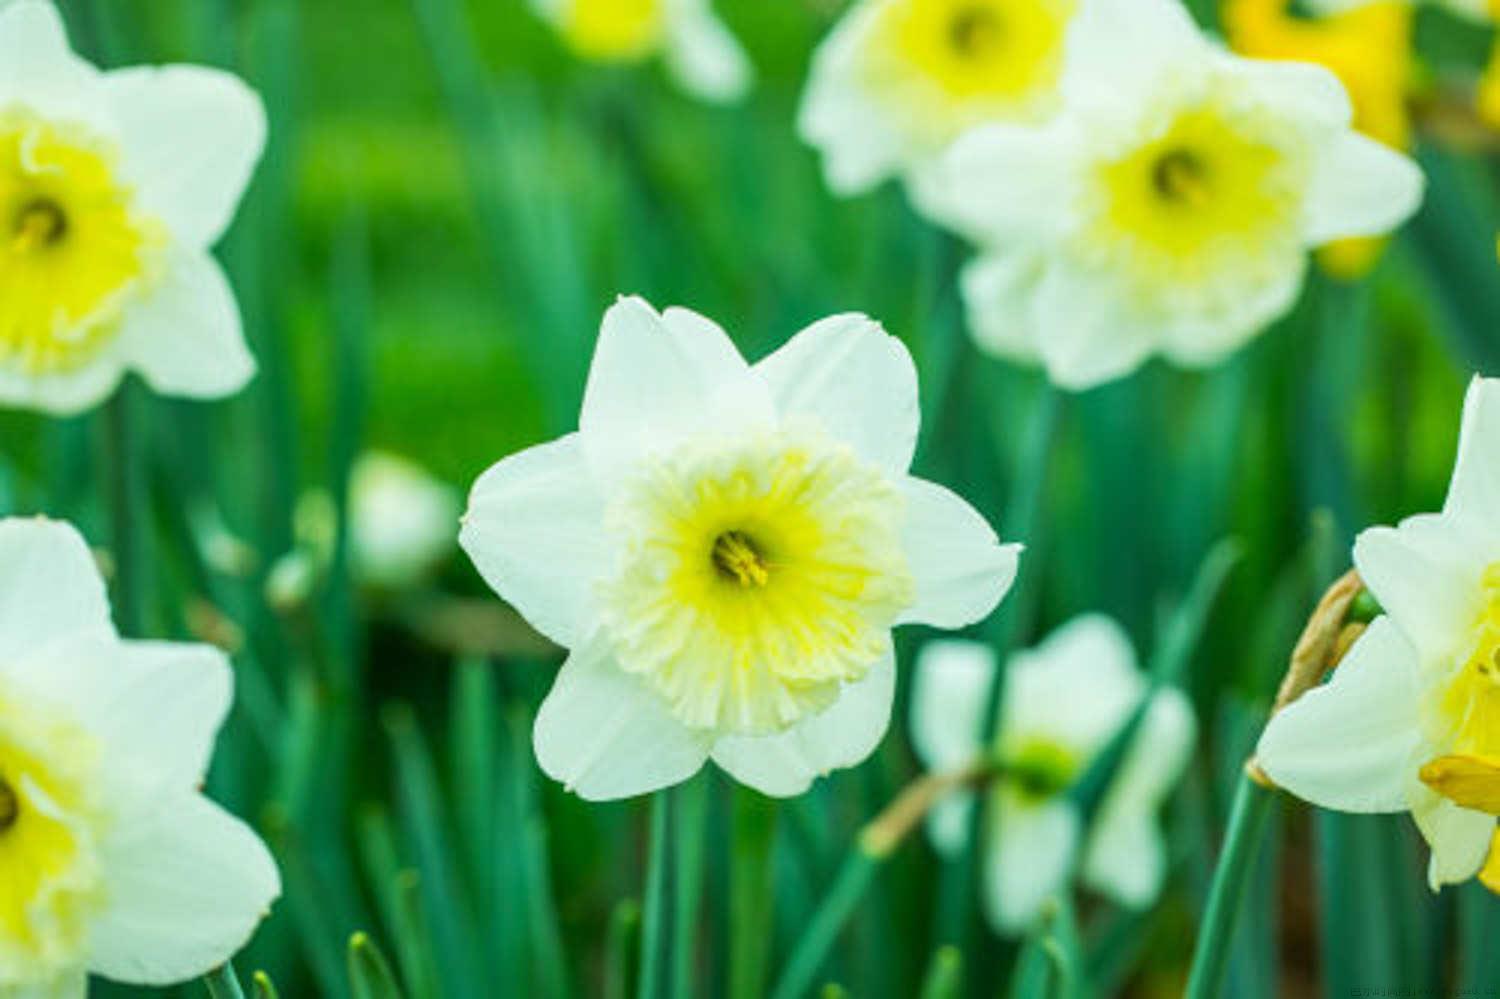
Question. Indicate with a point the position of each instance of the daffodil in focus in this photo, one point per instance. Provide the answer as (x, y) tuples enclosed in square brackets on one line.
[(113, 186), (724, 549), (401, 519), (698, 49), (111, 861), (1369, 48), (898, 80), (1063, 702), (1169, 208), (1411, 718)]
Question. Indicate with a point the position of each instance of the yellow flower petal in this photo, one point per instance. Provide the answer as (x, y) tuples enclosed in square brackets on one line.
[(1467, 780)]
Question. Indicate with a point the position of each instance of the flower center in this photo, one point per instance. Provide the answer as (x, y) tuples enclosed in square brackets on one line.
[(1469, 713), (975, 31), (1181, 178), (71, 247), (10, 806), (1040, 769), (1004, 54), (39, 225), (757, 577), (738, 560)]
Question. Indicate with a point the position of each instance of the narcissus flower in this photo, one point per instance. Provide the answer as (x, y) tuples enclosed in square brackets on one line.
[(724, 549), (898, 80), (701, 54), (1411, 719), (1064, 701), (112, 188), (1170, 206), (111, 861), (401, 519), (1369, 48)]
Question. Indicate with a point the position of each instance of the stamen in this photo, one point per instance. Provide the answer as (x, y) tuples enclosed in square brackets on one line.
[(41, 223), (737, 559), (10, 806), (1182, 177), (974, 31)]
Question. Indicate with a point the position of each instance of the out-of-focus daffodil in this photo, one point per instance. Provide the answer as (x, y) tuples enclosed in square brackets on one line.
[(1411, 719), (898, 80), (111, 861), (702, 55), (1063, 702), (724, 550), (112, 188), (1169, 207), (1369, 48), (402, 520)]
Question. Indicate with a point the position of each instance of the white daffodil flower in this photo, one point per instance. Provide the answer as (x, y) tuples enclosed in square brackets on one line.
[(725, 549), (401, 519), (1064, 701), (113, 186), (898, 80), (111, 861), (1414, 708), (1169, 207), (700, 52)]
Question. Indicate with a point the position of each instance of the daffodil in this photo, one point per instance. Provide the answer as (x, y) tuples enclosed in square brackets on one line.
[(113, 186), (701, 53), (1169, 207), (111, 861), (1411, 718), (724, 549), (401, 519), (1064, 701), (1369, 48), (898, 80)]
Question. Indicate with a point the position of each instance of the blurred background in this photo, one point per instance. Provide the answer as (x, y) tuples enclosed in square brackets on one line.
[(449, 202)]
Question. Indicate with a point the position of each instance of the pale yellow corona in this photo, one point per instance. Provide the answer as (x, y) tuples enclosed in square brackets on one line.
[(72, 249), (759, 577)]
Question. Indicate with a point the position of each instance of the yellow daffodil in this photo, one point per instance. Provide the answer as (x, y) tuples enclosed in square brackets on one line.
[(1169, 208), (898, 80), (113, 186), (111, 861), (701, 54), (724, 550), (1411, 719), (1369, 48), (1063, 702)]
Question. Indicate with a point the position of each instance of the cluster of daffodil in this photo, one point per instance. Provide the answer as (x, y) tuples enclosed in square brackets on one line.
[(1133, 188), (113, 186)]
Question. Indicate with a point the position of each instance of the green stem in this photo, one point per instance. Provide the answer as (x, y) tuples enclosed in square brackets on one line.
[(653, 935), (750, 929), (692, 800), (223, 983), (817, 941), (125, 490), (1247, 824)]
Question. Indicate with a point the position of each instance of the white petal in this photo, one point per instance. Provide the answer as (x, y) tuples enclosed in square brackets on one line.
[(1206, 327), (69, 985), (860, 145), (192, 136), (185, 335), (1360, 187), (1003, 184), (1302, 92), (1459, 837), (37, 68), (843, 735), (705, 58), (1425, 573), (1351, 743), (1158, 755), (1126, 858), (731, 383), (534, 531), (50, 590), (950, 691), (855, 380), (605, 736), (961, 569), (1086, 332), (648, 389), (948, 822), (187, 885), (1076, 688), (1119, 50), (1475, 490), (1028, 860), (68, 392), (999, 291)]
